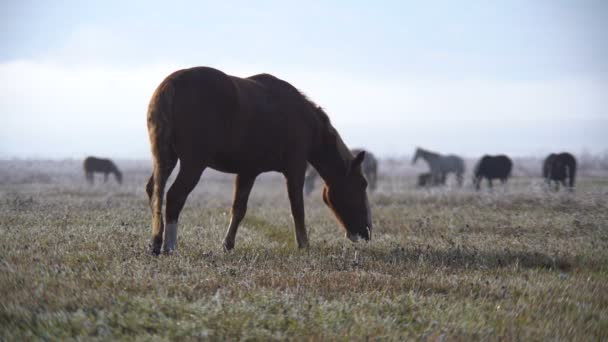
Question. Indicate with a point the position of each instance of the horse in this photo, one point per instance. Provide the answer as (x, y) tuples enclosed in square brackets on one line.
[(204, 118), (440, 166), (369, 168), (92, 165), (558, 168), (425, 179), (492, 167)]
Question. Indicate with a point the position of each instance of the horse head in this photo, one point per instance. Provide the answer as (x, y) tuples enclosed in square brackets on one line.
[(118, 176), (347, 198)]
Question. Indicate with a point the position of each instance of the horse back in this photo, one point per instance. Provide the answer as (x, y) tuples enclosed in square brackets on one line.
[(93, 164), (238, 124), (560, 166), (494, 167)]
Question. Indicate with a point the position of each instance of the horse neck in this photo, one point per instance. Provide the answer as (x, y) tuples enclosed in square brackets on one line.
[(429, 156), (331, 161), (114, 170)]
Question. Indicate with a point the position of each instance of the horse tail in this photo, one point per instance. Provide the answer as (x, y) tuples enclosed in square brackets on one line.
[(163, 156)]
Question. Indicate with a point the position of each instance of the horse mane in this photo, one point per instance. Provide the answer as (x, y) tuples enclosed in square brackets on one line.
[(329, 134), (332, 135), (428, 152)]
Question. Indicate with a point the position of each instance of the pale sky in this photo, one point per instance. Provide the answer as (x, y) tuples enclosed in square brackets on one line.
[(466, 77)]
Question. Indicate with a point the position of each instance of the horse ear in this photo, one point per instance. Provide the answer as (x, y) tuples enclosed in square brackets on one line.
[(357, 161)]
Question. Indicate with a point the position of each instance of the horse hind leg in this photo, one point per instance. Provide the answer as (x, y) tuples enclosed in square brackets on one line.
[(150, 189), (186, 180), (243, 185), (150, 184), (155, 189)]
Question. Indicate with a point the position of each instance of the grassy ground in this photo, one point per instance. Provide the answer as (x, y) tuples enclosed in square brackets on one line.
[(520, 265)]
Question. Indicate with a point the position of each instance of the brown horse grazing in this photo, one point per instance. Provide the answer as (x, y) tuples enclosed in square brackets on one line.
[(205, 118), (106, 166)]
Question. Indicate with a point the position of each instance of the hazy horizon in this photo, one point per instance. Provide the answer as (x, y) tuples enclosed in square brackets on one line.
[(470, 78), (446, 138)]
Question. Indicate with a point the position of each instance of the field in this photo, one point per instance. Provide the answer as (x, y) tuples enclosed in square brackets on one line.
[(514, 264)]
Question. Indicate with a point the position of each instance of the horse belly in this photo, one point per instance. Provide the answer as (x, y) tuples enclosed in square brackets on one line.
[(247, 162)]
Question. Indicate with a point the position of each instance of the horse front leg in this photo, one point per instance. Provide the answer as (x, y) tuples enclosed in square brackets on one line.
[(295, 183), (242, 189)]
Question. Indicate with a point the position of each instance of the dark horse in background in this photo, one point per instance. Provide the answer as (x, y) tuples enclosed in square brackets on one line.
[(558, 168), (492, 167), (205, 118), (425, 180), (440, 166), (94, 165), (369, 168)]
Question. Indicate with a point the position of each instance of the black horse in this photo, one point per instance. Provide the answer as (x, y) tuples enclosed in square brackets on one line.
[(558, 168), (492, 167), (106, 166)]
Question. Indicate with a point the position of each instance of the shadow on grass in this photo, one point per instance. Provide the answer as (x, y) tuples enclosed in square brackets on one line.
[(465, 258), (397, 259)]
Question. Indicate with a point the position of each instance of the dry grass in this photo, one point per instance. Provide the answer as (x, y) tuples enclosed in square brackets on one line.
[(520, 265)]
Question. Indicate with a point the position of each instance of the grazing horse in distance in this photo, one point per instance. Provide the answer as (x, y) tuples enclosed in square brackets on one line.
[(558, 168), (246, 126), (94, 165), (369, 168), (440, 166), (492, 167)]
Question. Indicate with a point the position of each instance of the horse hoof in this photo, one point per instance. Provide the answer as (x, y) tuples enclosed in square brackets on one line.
[(155, 248), (169, 252), (228, 246)]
